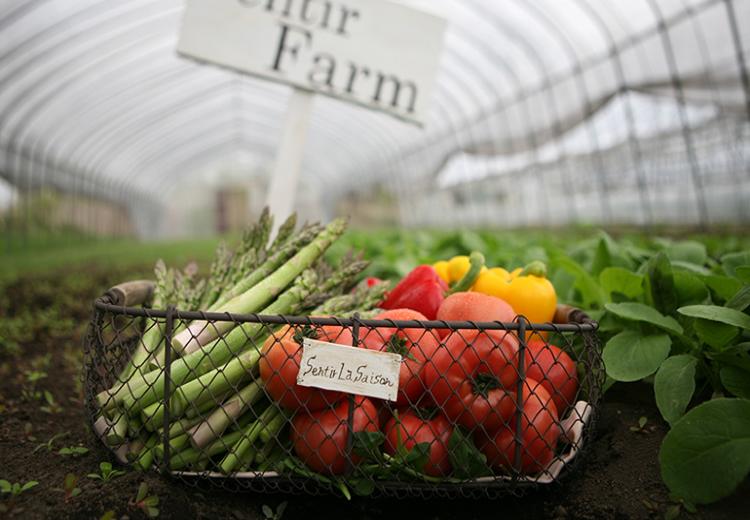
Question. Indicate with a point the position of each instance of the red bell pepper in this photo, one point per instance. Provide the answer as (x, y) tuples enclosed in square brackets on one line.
[(421, 290)]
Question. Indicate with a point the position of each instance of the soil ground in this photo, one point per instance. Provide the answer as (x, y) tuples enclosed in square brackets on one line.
[(43, 319)]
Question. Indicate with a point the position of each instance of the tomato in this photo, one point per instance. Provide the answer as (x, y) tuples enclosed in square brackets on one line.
[(473, 306), (554, 369), (415, 345), (471, 378), (280, 364), (409, 429), (319, 438), (539, 433)]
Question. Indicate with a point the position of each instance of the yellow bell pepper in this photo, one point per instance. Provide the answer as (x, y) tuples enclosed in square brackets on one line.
[(458, 266), (441, 268), (526, 290)]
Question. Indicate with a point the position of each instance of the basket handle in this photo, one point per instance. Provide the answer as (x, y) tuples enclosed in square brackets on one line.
[(132, 293), (569, 314)]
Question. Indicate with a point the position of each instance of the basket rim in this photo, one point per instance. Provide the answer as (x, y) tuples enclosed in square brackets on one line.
[(582, 322)]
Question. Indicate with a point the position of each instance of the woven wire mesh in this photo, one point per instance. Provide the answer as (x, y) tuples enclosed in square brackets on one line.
[(483, 409)]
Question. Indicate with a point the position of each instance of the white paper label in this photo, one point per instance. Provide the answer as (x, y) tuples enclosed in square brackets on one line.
[(374, 53), (348, 369)]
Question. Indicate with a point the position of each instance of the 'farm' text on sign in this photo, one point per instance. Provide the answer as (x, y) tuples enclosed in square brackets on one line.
[(349, 369), (375, 53)]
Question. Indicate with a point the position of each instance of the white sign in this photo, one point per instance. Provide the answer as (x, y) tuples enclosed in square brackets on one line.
[(375, 53), (349, 369)]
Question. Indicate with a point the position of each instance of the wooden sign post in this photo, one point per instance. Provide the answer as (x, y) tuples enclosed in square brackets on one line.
[(378, 54)]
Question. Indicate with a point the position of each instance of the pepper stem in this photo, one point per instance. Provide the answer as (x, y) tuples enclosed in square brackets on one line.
[(535, 268), (476, 262)]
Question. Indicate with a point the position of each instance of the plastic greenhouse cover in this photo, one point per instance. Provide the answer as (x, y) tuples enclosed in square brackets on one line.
[(93, 97)]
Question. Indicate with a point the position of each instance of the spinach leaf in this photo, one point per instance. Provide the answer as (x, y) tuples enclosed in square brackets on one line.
[(706, 454)]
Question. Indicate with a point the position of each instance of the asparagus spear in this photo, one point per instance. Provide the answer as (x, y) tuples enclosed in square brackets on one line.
[(284, 234), (191, 455), (221, 418), (304, 238), (239, 451), (204, 388), (262, 293), (220, 268)]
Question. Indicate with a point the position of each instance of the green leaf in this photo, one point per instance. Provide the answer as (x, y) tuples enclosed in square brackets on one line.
[(152, 512), (743, 273), (716, 313), (674, 385), (741, 300), (466, 459), (630, 356), (362, 487), (715, 334), (732, 261), (142, 492), (724, 286), (640, 312), (5, 486), (617, 279), (660, 283), (367, 444), (736, 381), (734, 355), (706, 454), (690, 289), (592, 295), (689, 267), (30, 484), (267, 511), (687, 251), (418, 456), (602, 257)]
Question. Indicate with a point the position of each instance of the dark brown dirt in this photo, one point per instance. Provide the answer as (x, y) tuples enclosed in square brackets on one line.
[(617, 478)]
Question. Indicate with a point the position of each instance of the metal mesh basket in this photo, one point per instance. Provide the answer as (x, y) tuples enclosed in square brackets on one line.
[(483, 409)]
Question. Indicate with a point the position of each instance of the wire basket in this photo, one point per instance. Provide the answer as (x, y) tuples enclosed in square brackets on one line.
[(483, 409)]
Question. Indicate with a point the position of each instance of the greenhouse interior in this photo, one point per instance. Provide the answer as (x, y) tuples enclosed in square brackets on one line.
[(433, 258)]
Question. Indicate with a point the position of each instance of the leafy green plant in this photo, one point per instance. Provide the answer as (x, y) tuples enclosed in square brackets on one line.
[(51, 442), (270, 514), (29, 390), (51, 405), (145, 502), (73, 451), (70, 487), (16, 488), (107, 473), (677, 318), (641, 426)]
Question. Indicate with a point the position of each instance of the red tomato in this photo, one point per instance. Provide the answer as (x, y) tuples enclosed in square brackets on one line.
[(471, 378), (473, 306), (279, 366), (539, 434), (409, 429), (416, 346), (319, 438), (554, 369)]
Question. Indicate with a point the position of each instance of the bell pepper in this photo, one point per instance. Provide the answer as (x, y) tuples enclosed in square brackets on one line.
[(441, 268), (528, 291), (423, 290)]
